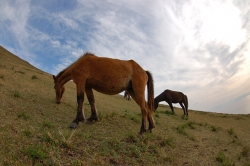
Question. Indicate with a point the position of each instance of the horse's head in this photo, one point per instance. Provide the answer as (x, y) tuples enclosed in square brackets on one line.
[(59, 90), (155, 105)]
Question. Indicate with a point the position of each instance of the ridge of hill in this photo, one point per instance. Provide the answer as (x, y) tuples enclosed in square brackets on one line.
[(34, 130), (8, 57)]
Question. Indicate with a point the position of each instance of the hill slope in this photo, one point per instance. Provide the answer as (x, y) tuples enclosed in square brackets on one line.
[(34, 130)]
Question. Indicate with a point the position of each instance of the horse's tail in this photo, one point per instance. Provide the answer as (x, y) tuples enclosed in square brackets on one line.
[(186, 99), (150, 86)]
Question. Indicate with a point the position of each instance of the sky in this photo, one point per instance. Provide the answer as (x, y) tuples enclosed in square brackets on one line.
[(198, 47)]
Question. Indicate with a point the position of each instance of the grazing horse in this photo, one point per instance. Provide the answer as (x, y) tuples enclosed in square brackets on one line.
[(126, 95), (108, 76), (172, 97)]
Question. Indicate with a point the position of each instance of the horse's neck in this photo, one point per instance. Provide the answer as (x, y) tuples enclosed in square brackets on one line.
[(64, 77), (160, 98)]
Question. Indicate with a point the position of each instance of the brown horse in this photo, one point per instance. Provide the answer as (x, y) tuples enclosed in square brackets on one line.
[(172, 97), (126, 95), (108, 76)]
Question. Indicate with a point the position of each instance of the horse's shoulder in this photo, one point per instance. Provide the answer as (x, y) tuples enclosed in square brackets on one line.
[(87, 55), (130, 61)]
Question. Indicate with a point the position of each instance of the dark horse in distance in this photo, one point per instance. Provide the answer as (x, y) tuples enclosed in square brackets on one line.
[(126, 95), (108, 76), (172, 97)]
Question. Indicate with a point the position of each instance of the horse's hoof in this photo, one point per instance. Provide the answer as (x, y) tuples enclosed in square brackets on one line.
[(73, 125)]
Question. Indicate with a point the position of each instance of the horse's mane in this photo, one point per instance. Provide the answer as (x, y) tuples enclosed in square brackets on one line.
[(61, 72), (85, 54)]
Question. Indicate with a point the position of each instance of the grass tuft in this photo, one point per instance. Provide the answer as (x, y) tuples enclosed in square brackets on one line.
[(47, 124), (169, 142), (184, 117), (130, 138), (157, 115), (35, 152), (214, 128), (230, 131), (182, 129), (245, 151), (27, 133), (16, 94), (34, 77), (167, 112), (23, 115), (221, 157)]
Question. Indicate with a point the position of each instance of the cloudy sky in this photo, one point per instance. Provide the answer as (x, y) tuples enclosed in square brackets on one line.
[(198, 47)]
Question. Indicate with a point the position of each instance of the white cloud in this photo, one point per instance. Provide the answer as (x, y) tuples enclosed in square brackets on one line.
[(15, 14)]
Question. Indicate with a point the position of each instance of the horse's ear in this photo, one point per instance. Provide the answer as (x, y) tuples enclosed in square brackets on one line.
[(54, 77)]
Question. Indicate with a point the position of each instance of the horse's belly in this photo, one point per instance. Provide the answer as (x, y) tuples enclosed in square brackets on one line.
[(109, 86)]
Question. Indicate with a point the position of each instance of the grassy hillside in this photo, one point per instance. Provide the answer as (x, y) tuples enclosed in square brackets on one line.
[(34, 130)]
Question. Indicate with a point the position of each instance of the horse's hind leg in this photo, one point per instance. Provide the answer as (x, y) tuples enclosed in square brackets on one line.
[(184, 110), (91, 99), (186, 104), (140, 100), (151, 121)]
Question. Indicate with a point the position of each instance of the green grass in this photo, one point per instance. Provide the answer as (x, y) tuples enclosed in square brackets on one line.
[(214, 128), (16, 94), (221, 157), (27, 133), (23, 115), (169, 141), (245, 151), (34, 77), (36, 152), (182, 129), (34, 130), (231, 131)]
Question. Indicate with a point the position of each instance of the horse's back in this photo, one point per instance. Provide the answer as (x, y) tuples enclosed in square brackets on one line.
[(174, 96), (110, 66), (92, 62), (107, 75)]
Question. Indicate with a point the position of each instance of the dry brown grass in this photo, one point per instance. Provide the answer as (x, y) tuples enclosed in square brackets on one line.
[(34, 130)]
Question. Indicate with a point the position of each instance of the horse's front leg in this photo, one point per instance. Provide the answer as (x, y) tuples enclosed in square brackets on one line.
[(80, 113), (91, 99), (171, 106)]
